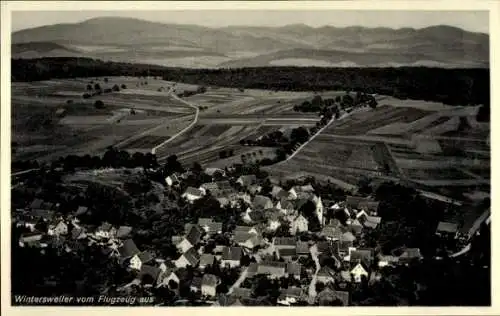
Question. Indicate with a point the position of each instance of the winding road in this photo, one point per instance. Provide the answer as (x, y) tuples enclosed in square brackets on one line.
[(153, 151)]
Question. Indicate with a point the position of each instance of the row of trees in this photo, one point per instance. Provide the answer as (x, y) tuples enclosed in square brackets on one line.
[(450, 86)]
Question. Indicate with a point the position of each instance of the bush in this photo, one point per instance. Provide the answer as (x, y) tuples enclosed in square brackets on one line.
[(99, 104), (86, 95), (123, 86)]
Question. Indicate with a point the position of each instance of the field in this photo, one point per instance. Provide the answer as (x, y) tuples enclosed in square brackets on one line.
[(429, 149), (52, 119)]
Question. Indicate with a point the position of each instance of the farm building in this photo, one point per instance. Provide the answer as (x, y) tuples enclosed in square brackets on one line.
[(192, 194), (247, 180), (447, 229)]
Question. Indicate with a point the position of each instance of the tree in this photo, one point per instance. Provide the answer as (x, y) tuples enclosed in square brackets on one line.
[(197, 168), (97, 87), (98, 104), (123, 86), (116, 88), (222, 154), (86, 95), (483, 114), (106, 80), (89, 87)]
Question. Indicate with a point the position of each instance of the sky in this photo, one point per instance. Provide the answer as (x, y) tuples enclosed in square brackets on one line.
[(475, 21)]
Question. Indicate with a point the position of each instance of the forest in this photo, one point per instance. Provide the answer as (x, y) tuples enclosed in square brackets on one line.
[(450, 86)]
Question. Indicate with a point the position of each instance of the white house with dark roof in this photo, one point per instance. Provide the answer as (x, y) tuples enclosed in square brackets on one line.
[(189, 258), (299, 224), (192, 194), (209, 284), (140, 259), (192, 238)]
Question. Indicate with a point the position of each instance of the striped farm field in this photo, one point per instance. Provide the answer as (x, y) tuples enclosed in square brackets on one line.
[(146, 142)]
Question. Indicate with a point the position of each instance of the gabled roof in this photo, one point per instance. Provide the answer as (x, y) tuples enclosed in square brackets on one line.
[(285, 241), (76, 232), (242, 229), (241, 292), (269, 267), (293, 268), (209, 280), (276, 190), (128, 249), (105, 227), (194, 235), (204, 221), (210, 186), (331, 232), (295, 292), (192, 256), (207, 259), (286, 205), (411, 253), (194, 191), (447, 227), (81, 210), (302, 247), (371, 206), (123, 231), (146, 256), (287, 252), (328, 295), (247, 180), (261, 202), (211, 171), (152, 271), (196, 282), (283, 195), (362, 255), (232, 253), (36, 204), (240, 237), (348, 236)]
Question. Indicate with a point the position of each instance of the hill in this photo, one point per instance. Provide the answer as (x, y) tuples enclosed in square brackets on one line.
[(126, 39)]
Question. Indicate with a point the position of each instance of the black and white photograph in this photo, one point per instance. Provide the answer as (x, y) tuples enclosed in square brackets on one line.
[(248, 157)]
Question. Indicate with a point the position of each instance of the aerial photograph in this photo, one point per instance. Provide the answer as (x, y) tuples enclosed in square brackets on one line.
[(230, 158)]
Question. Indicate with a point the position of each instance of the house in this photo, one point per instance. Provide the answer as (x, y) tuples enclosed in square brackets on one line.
[(245, 229), (223, 201), (261, 202), (362, 203), (105, 231), (209, 284), (409, 255), (123, 231), (228, 300), (231, 256), (370, 221), (191, 239), (285, 243), (247, 180), (172, 180), (274, 217), (276, 190), (273, 269), (212, 171), (325, 275), (149, 274), (347, 237), (78, 233), (167, 276), (447, 229), (36, 204), (241, 292), (283, 195), (210, 226), (285, 206), (356, 226), (196, 284), (254, 189), (140, 259), (128, 249), (331, 232), (319, 209), (344, 246), (188, 258), (31, 237), (329, 297), (384, 261), (302, 249), (359, 271), (362, 255), (299, 224), (287, 253), (294, 269), (61, 228), (206, 260), (290, 295), (211, 187), (192, 194), (81, 210), (247, 240)]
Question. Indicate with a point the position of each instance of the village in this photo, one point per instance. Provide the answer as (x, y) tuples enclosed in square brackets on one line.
[(283, 246)]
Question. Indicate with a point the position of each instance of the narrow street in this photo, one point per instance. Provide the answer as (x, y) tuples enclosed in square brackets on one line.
[(312, 285), (240, 280)]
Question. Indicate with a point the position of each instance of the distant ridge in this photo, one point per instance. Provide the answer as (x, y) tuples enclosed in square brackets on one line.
[(130, 39)]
